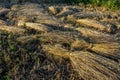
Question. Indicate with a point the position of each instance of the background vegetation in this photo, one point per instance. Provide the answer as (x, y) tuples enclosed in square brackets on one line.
[(112, 4)]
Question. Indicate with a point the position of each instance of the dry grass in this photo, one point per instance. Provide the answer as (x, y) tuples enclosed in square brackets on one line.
[(89, 66), (111, 49), (96, 25), (35, 26), (75, 43), (58, 37), (3, 11), (57, 48), (80, 44), (12, 29), (66, 39), (96, 36), (52, 10), (91, 59), (2, 22), (70, 18), (26, 39), (107, 49), (88, 23), (48, 22)]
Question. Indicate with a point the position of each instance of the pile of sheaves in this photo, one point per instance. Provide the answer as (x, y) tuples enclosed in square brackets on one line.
[(93, 54)]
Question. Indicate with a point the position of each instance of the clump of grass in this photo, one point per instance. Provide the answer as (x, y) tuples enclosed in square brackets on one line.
[(112, 4)]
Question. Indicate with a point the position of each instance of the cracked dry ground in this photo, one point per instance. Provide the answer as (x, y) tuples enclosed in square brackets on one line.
[(59, 42)]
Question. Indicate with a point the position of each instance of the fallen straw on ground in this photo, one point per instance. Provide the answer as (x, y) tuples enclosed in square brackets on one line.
[(35, 26)]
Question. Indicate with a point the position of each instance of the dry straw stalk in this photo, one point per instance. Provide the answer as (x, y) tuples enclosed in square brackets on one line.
[(89, 66)]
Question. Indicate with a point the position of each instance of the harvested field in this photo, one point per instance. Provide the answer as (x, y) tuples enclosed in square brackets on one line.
[(40, 40)]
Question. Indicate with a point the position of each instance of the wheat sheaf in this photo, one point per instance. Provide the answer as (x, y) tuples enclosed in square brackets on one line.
[(92, 61)]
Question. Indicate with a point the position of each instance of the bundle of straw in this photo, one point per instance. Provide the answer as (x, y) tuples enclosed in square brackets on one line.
[(35, 26), (106, 49), (97, 25), (89, 66), (12, 29), (96, 36), (110, 49)]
